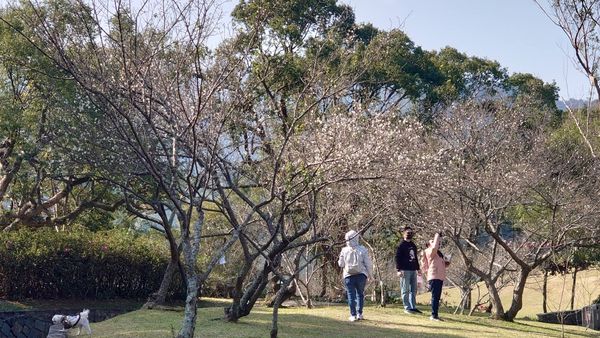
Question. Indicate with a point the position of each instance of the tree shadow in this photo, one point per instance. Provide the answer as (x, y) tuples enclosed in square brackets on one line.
[(304, 325), (524, 322), (533, 329)]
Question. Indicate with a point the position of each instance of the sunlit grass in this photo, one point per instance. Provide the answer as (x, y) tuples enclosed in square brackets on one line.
[(328, 321), (559, 293), (331, 320)]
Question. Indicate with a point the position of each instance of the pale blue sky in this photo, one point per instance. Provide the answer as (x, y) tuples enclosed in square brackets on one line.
[(515, 33)]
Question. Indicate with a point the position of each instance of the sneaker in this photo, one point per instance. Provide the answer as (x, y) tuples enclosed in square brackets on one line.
[(352, 318), (360, 317), (409, 312), (437, 319), (416, 310)]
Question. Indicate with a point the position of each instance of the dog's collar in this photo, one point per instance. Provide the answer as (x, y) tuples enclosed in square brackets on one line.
[(78, 318), (68, 325)]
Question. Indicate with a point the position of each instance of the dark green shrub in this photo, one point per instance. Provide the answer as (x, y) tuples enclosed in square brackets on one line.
[(46, 264)]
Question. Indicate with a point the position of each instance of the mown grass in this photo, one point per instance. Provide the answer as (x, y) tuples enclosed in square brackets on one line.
[(328, 321), (559, 293)]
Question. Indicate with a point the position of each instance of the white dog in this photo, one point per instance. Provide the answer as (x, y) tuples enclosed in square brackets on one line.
[(79, 321)]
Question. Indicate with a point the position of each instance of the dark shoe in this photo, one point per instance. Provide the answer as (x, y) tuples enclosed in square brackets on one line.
[(437, 319), (409, 312), (416, 310)]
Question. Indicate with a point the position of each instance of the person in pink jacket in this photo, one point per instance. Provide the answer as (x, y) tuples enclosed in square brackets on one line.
[(434, 267)]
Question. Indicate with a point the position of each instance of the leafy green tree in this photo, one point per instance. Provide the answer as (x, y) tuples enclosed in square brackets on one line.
[(39, 184), (466, 77), (545, 95), (396, 72)]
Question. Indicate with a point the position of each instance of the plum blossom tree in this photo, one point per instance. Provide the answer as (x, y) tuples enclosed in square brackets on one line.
[(494, 167), (154, 123)]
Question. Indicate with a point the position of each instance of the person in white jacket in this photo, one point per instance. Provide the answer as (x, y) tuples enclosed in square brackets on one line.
[(354, 259)]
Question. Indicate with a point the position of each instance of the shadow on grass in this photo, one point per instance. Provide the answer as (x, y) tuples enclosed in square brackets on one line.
[(323, 321), (213, 302), (308, 325), (525, 321), (519, 327)]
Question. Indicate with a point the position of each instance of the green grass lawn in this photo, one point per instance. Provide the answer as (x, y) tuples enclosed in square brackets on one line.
[(328, 321), (559, 293), (331, 320)]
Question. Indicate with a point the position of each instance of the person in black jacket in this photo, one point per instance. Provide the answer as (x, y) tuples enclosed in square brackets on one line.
[(407, 267)]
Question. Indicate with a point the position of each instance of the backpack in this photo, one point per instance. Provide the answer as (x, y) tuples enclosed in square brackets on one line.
[(353, 262)]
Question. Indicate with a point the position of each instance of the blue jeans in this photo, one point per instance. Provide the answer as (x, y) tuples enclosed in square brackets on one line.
[(408, 285), (355, 287), (436, 293)]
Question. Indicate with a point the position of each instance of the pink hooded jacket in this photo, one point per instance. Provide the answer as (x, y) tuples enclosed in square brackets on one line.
[(433, 265)]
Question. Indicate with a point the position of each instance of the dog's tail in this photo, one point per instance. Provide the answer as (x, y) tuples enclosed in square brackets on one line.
[(85, 313)]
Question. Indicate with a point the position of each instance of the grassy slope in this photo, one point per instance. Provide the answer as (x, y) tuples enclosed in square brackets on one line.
[(327, 321), (331, 320), (559, 293)]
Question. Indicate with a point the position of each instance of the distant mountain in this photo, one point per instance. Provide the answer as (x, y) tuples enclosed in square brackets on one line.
[(573, 104)]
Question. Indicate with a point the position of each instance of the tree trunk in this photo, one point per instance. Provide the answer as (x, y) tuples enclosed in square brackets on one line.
[(191, 307), (191, 247), (308, 295), (573, 287), (545, 292), (497, 308), (159, 297), (279, 298), (323, 292), (382, 293), (243, 301), (465, 296), (232, 312), (517, 298), (278, 284)]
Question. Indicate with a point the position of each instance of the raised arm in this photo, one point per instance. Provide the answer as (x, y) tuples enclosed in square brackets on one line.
[(436, 243), (424, 262)]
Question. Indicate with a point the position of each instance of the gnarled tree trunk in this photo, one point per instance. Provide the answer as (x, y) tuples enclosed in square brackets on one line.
[(190, 240), (277, 301), (573, 287), (517, 298), (545, 292), (497, 308)]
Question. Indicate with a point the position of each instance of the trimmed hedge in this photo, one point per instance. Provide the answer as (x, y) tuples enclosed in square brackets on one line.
[(45, 264)]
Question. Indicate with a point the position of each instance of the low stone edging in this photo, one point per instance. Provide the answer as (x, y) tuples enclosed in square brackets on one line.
[(572, 317), (35, 324), (588, 316)]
